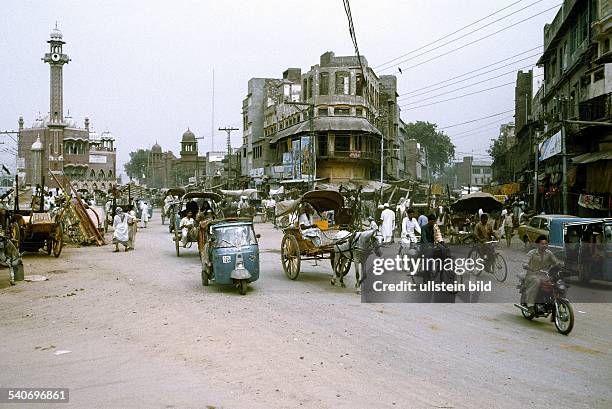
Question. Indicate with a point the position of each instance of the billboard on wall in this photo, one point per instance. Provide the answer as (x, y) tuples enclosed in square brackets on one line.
[(287, 165), (297, 163), (305, 148), (550, 147)]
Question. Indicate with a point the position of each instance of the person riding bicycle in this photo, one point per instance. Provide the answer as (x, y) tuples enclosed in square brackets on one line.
[(483, 232), (538, 260)]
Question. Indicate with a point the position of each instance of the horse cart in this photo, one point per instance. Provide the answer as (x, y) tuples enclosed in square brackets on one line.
[(295, 247), (199, 204), (171, 196), (34, 229)]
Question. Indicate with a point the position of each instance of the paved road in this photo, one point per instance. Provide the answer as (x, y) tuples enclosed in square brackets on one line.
[(143, 333)]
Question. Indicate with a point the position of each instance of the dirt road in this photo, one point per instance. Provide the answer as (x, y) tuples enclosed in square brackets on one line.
[(144, 333)]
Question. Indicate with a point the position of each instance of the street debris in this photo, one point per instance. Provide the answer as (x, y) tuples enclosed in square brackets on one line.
[(35, 277)]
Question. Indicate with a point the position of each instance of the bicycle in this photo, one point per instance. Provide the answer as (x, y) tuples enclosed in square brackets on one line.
[(498, 265)]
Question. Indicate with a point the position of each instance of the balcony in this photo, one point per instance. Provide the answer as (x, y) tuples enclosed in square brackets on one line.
[(596, 109), (350, 155)]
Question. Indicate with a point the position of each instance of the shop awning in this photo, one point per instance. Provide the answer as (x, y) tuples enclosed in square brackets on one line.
[(592, 157), (332, 123)]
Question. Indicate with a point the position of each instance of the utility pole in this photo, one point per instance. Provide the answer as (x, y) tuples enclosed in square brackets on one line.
[(564, 154), (535, 172), (229, 130)]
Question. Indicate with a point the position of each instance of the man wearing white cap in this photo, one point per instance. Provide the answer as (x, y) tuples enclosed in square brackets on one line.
[(388, 223)]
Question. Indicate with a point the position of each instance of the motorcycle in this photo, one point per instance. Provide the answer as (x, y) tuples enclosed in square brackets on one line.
[(551, 300)]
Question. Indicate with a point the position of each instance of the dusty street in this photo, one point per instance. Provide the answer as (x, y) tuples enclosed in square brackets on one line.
[(143, 333)]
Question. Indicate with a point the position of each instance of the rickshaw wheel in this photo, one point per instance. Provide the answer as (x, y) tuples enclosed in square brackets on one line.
[(15, 234), (290, 256), (342, 266), (58, 242), (242, 287)]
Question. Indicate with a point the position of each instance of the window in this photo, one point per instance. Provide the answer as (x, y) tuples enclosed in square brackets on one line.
[(598, 75), (535, 222), (322, 148), (323, 111), (324, 83), (544, 224), (310, 87), (244, 152), (359, 84), (257, 152), (304, 87), (606, 46), (357, 142), (342, 143), (359, 112), (342, 83), (476, 171), (342, 111)]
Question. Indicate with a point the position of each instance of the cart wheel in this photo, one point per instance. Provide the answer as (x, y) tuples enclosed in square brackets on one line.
[(342, 266), (242, 287), (15, 234), (290, 256), (58, 242)]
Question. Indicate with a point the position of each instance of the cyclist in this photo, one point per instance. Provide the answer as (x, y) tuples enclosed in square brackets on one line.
[(483, 232)]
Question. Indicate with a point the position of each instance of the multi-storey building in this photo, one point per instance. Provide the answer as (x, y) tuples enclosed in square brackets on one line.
[(57, 144), (343, 104), (576, 99)]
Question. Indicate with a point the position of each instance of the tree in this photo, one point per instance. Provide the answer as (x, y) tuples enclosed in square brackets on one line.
[(499, 152), (440, 149), (138, 166)]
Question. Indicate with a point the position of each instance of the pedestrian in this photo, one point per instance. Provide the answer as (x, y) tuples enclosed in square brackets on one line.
[(187, 227), (508, 227), (120, 226), (388, 223), (132, 229), (422, 220), (145, 214)]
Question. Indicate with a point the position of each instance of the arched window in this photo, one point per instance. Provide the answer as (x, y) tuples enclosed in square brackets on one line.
[(110, 174), (92, 174), (101, 174)]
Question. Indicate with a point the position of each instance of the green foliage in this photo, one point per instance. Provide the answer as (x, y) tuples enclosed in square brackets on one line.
[(138, 165), (440, 149)]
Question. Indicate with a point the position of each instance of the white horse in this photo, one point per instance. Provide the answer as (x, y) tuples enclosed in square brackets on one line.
[(356, 250)]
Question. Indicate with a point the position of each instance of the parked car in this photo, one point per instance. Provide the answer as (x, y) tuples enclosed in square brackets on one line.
[(539, 226)]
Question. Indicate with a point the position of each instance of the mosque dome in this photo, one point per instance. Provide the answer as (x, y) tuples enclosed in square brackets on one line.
[(188, 136), (56, 34), (156, 148), (37, 145)]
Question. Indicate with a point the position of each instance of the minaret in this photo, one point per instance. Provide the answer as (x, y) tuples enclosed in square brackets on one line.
[(56, 60)]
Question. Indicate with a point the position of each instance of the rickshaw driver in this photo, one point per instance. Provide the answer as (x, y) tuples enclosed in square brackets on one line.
[(307, 226), (187, 228), (483, 233)]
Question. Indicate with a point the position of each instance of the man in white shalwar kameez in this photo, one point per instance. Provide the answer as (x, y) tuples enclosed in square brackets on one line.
[(307, 226), (145, 214), (121, 229), (388, 223)]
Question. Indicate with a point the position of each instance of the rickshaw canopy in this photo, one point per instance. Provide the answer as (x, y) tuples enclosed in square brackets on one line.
[(202, 195), (320, 200), (175, 191), (475, 201)]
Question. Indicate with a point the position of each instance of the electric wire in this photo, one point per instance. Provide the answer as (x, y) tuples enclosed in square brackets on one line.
[(474, 120), (462, 36)]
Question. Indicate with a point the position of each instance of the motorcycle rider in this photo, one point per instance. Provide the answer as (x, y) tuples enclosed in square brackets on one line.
[(538, 260)]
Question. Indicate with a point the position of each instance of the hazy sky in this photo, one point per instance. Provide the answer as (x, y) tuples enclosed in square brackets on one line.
[(143, 69)]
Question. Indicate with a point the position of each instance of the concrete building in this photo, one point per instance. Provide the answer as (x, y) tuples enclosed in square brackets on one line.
[(470, 172), (577, 87), (350, 114), (88, 159)]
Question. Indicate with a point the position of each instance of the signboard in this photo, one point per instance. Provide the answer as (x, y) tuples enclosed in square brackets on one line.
[(256, 172), (355, 154), (97, 159), (287, 165), (297, 163), (21, 163), (592, 202), (306, 168), (550, 147)]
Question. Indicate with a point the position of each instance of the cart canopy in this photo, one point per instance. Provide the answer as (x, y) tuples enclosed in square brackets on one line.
[(478, 200), (320, 200), (202, 195)]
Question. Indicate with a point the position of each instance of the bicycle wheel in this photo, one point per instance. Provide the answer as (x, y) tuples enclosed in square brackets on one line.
[(500, 268), (473, 255)]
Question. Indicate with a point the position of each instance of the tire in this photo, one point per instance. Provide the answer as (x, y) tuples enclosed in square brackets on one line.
[(527, 315), (242, 287), (58, 241), (500, 268), (565, 322), (472, 255), (290, 256)]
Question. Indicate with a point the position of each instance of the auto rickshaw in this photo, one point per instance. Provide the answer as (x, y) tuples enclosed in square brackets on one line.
[(194, 201), (230, 252)]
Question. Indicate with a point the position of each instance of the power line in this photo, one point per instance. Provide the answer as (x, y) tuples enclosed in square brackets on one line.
[(464, 35), (485, 125), (480, 69), (475, 76), (408, 107), (476, 41), (460, 88), (475, 120), (448, 35)]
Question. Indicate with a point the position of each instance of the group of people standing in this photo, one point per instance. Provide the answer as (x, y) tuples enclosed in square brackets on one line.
[(125, 226), (412, 225)]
